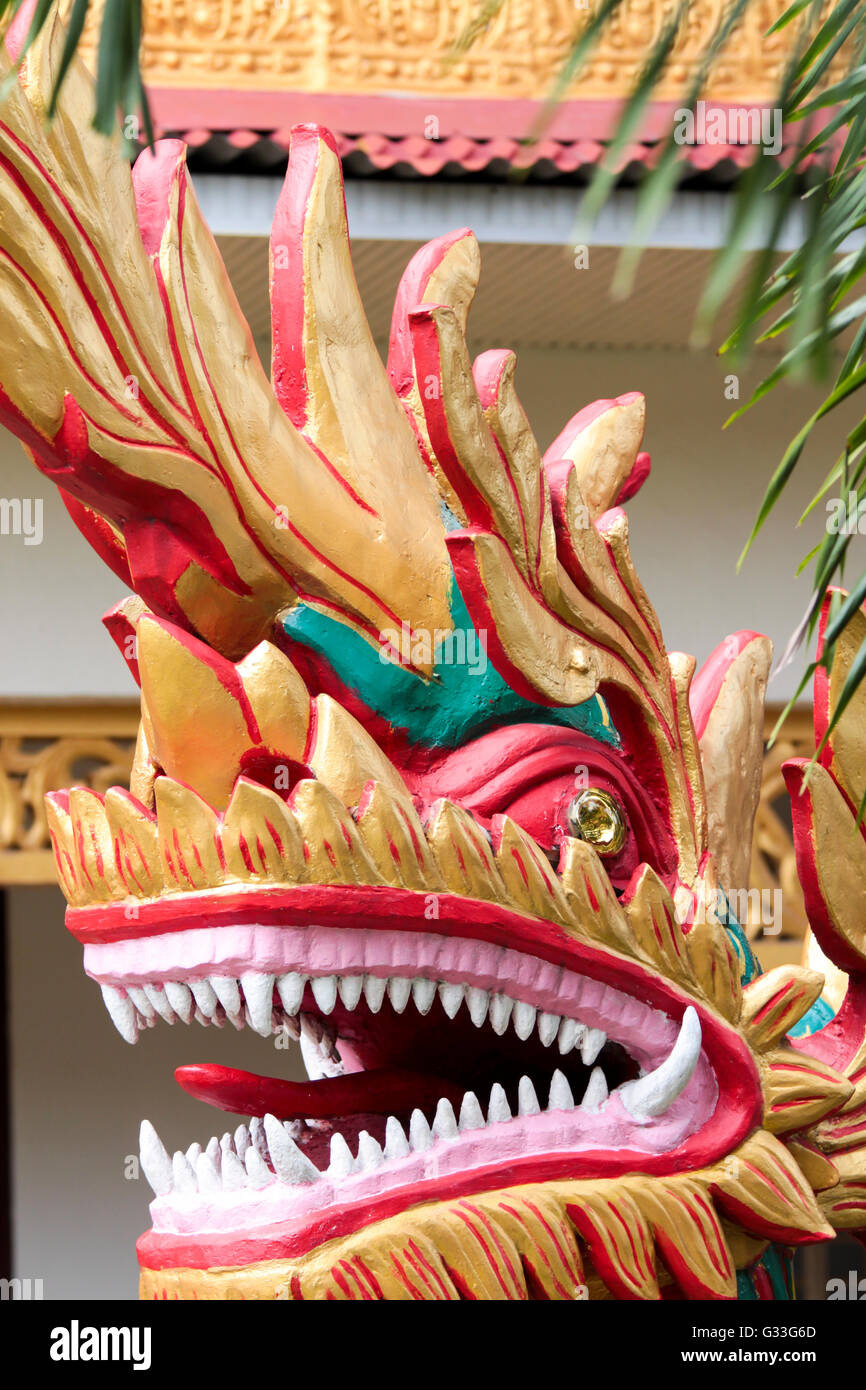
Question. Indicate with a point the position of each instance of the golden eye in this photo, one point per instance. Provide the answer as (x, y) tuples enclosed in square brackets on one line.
[(595, 817)]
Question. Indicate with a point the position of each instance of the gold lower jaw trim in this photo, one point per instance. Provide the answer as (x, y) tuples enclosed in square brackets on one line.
[(268, 1280)]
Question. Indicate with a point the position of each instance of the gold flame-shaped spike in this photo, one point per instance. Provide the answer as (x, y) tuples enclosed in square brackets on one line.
[(93, 844), (654, 927), (819, 1171), (527, 874), (846, 1130), (395, 839), (513, 436), (333, 849), (845, 1203), (604, 451), (760, 1186), (345, 757), (595, 911), (619, 1240), (682, 669), (463, 854), (144, 771), (197, 702), (716, 966), (800, 1089), (449, 277), (136, 843), (65, 856), (260, 837), (774, 1002), (847, 743), (690, 1238), (188, 838), (554, 658)]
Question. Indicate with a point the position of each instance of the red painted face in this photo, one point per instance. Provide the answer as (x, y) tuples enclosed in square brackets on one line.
[(534, 774)]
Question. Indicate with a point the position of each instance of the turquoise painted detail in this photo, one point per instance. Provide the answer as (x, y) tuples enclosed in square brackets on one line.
[(749, 965), (777, 1265), (817, 1018), (465, 696)]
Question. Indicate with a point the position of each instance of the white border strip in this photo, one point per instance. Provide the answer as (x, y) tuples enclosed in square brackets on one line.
[(243, 205)]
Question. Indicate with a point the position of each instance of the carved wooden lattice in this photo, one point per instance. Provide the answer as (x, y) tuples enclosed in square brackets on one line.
[(406, 46), (774, 867), (42, 748)]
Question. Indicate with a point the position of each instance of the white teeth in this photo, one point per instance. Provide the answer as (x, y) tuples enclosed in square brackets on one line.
[(419, 1132), (351, 988), (499, 1110), (242, 1140), (259, 995), (370, 1155), (527, 1100), (561, 1097), (423, 994), (258, 1172), (291, 988), (155, 1162), (500, 1012), (180, 998), (477, 1001), (524, 1019), (324, 989), (471, 1116), (596, 1092), (234, 1174), (342, 1162), (396, 1143), (207, 1173), (121, 1011), (399, 990), (291, 1166), (192, 1154), (317, 1050), (593, 1041), (548, 1027), (652, 1094), (226, 990), (205, 997), (374, 992), (156, 995), (227, 1145), (141, 1002), (570, 1035), (452, 998), (213, 1151), (258, 1137), (183, 1174), (444, 1123)]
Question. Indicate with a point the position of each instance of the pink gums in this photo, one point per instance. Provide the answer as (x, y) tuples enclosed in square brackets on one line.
[(647, 1033)]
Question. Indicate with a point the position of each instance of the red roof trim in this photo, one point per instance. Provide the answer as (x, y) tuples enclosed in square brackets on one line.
[(475, 119), (390, 130)]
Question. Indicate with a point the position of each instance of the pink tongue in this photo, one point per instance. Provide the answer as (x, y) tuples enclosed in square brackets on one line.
[(388, 1091)]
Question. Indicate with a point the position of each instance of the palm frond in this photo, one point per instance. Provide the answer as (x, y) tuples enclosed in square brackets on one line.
[(121, 99)]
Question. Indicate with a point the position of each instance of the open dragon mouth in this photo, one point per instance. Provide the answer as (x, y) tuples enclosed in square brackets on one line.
[(430, 1056)]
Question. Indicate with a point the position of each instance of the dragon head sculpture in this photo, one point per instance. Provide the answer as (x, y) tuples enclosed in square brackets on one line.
[(417, 784)]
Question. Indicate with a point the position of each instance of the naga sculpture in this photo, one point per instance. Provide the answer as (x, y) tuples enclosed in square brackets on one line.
[(417, 783)]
